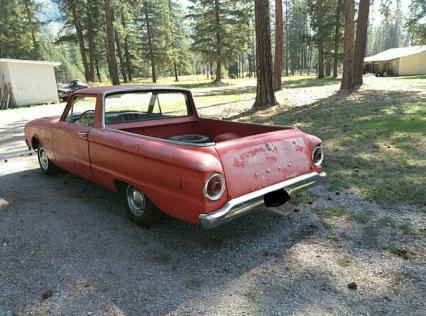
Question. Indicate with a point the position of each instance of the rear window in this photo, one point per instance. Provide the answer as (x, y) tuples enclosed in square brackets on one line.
[(141, 106)]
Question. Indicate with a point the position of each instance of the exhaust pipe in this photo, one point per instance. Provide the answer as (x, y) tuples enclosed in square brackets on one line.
[(276, 198)]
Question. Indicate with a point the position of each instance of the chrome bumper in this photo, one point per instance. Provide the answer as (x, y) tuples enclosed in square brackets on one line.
[(243, 204)]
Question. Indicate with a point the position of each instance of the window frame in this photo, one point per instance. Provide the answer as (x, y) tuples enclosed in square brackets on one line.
[(70, 106), (188, 99)]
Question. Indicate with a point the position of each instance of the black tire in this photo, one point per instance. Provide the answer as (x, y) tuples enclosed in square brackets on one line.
[(46, 165), (139, 208)]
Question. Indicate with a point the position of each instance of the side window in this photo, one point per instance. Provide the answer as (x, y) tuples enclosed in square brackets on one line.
[(82, 110)]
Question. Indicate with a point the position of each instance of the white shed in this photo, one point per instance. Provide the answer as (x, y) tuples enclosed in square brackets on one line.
[(402, 61), (30, 82)]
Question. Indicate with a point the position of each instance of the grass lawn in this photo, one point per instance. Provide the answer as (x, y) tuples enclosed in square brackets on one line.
[(375, 139)]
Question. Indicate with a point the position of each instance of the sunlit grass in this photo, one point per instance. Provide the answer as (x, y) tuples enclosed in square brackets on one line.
[(374, 140)]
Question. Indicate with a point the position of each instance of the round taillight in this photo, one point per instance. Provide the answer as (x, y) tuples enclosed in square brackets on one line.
[(214, 187), (317, 156)]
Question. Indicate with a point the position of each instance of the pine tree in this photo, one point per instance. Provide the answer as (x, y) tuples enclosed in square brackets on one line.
[(279, 45), (347, 78), (416, 23), (155, 28), (360, 41), (19, 28), (178, 39), (112, 59), (265, 95), (220, 30)]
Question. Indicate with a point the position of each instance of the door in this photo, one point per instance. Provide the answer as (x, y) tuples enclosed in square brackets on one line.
[(70, 136)]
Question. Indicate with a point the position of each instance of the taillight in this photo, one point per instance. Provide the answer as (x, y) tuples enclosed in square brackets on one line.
[(317, 156), (214, 187)]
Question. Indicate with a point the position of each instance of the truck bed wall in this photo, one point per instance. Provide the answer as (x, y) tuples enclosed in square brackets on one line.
[(209, 127)]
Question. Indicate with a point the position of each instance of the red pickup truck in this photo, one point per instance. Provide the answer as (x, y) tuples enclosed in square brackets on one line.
[(148, 143)]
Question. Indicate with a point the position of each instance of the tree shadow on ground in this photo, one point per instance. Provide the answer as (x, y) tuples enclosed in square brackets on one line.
[(413, 77), (73, 228), (227, 91), (194, 85), (374, 140), (12, 141), (310, 82)]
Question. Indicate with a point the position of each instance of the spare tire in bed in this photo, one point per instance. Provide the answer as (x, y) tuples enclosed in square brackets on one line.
[(191, 138)]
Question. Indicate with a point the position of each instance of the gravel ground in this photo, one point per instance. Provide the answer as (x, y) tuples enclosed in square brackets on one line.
[(67, 248), (68, 236)]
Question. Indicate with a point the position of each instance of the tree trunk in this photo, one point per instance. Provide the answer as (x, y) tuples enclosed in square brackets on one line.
[(97, 71), (320, 39), (36, 46), (91, 40), (361, 41), (115, 78), (173, 42), (347, 78), (265, 91), (80, 37), (286, 38), (127, 52), (120, 56), (151, 50), (337, 38), (327, 66), (279, 37), (176, 72), (218, 43)]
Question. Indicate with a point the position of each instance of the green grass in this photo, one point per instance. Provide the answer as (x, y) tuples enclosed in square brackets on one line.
[(328, 212), (344, 261), (399, 250), (387, 221), (413, 77), (374, 141), (406, 228), (359, 218)]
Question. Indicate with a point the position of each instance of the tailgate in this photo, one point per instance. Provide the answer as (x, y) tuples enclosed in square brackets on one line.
[(254, 162)]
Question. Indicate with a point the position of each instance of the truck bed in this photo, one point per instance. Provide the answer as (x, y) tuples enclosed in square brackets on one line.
[(217, 131)]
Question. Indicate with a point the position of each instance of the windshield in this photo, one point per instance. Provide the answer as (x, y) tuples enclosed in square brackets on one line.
[(140, 106)]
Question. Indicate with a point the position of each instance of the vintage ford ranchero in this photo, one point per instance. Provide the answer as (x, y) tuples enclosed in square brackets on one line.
[(148, 143)]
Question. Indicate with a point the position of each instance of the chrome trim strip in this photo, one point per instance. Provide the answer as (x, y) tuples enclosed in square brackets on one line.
[(240, 205)]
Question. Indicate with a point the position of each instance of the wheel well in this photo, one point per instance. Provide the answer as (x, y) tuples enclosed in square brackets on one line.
[(34, 142), (120, 185)]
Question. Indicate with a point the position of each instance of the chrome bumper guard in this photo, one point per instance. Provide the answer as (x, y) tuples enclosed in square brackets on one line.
[(247, 202)]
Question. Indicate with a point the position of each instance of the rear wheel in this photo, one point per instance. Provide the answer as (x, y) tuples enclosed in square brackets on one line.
[(46, 165), (139, 208)]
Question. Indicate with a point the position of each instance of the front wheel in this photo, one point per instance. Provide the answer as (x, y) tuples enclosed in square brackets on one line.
[(46, 165), (139, 208)]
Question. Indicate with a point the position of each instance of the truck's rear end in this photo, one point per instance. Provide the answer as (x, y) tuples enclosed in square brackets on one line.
[(265, 168)]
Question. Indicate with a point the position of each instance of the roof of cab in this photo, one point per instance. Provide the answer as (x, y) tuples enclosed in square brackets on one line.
[(125, 88)]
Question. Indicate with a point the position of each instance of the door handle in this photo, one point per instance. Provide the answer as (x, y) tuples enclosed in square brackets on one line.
[(82, 134)]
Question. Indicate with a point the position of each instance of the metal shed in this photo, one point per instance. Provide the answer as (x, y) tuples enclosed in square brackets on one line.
[(401, 61), (28, 81)]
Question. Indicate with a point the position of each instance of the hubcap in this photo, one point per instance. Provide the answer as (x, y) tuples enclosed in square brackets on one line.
[(44, 161), (136, 201)]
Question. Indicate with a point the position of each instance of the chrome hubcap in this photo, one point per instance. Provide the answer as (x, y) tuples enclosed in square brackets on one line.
[(136, 201), (44, 161)]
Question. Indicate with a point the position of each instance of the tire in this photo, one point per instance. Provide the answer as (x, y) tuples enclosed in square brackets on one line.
[(139, 208), (46, 165)]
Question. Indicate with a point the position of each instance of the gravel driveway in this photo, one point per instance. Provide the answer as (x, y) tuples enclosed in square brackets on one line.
[(67, 248), (69, 239)]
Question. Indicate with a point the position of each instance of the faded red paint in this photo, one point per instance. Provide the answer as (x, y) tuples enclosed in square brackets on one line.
[(138, 153)]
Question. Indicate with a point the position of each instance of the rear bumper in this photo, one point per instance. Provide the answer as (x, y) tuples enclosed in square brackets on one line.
[(247, 202)]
